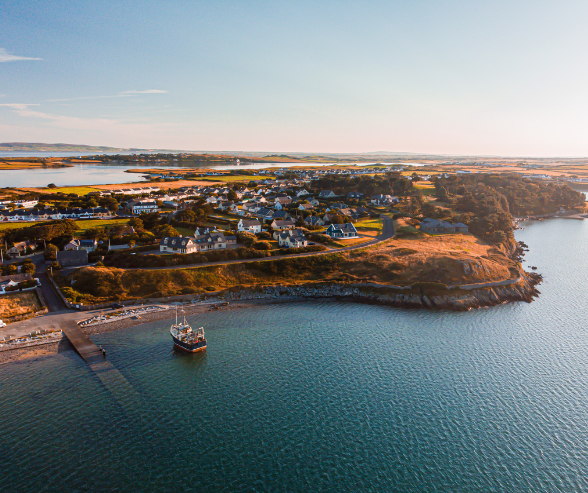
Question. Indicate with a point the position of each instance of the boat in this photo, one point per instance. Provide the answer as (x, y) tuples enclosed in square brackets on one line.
[(186, 338)]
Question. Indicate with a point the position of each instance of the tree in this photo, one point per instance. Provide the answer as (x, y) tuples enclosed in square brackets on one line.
[(136, 223), (28, 267), (164, 230), (50, 252)]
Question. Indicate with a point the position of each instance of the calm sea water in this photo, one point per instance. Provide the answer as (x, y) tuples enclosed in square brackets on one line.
[(89, 174), (322, 396)]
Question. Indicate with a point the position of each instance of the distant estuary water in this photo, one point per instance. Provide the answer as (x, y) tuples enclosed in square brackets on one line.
[(322, 396)]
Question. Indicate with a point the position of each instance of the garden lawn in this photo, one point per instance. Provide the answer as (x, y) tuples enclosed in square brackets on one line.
[(370, 225)]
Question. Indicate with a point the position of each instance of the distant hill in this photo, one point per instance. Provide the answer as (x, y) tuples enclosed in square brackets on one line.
[(39, 147)]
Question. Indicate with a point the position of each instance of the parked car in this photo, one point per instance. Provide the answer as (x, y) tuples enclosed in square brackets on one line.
[(116, 306)]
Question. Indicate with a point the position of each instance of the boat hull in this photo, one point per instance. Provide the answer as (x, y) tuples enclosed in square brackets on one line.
[(189, 348)]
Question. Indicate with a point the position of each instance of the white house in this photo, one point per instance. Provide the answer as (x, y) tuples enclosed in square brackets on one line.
[(249, 225), (143, 206), (178, 244), (292, 238), (283, 224)]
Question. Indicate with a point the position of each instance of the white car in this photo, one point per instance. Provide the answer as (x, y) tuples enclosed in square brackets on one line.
[(2, 324)]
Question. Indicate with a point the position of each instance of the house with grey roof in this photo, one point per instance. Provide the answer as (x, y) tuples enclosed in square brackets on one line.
[(249, 225), (436, 226), (178, 244), (72, 258), (346, 230)]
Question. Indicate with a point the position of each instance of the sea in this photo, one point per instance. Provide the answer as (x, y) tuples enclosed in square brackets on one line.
[(322, 396)]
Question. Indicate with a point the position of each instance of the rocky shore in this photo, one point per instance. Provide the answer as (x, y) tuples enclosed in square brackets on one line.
[(425, 296)]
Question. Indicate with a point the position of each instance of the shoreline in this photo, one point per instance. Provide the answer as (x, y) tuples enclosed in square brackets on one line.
[(451, 300)]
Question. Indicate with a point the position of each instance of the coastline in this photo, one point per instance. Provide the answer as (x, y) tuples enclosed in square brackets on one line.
[(427, 296)]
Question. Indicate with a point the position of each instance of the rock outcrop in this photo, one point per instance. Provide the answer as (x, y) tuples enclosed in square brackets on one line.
[(428, 297)]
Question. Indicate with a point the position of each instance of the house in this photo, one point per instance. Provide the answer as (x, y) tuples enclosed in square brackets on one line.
[(313, 201), (88, 245), (284, 224), (339, 205), (292, 238), (437, 226), (178, 244), (301, 193), (306, 207), (142, 206), (21, 247), (250, 225), (280, 215), (381, 199), (326, 194), (74, 244), (13, 280), (72, 258), (314, 221), (346, 230), (211, 241), (354, 195)]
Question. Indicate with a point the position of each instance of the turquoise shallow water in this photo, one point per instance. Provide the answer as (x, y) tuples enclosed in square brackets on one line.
[(322, 396)]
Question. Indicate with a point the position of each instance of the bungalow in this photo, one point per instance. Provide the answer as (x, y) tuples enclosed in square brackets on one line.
[(429, 225), (301, 193), (21, 247), (346, 230), (13, 280), (178, 244), (250, 225), (283, 224)]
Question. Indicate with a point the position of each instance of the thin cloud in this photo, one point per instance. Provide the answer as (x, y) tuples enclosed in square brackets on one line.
[(147, 91), (7, 57), (19, 106), (124, 94)]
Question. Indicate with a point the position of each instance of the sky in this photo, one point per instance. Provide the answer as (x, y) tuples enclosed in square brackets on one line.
[(506, 78)]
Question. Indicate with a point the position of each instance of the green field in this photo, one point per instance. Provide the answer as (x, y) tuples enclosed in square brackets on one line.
[(370, 224), (83, 225), (233, 178), (14, 225), (98, 223)]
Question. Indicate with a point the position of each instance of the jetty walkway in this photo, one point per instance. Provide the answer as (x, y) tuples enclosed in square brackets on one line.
[(82, 343)]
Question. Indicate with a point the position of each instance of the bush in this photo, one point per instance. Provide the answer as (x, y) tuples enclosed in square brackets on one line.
[(262, 245)]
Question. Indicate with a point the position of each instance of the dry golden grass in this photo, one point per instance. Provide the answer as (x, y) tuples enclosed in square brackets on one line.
[(14, 304), (446, 259), (166, 185)]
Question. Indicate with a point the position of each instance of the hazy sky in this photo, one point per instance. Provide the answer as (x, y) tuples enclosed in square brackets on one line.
[(470, 77)]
